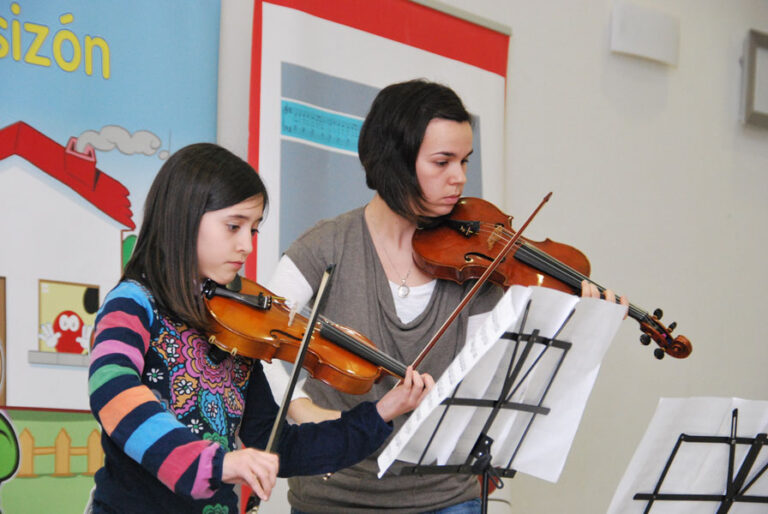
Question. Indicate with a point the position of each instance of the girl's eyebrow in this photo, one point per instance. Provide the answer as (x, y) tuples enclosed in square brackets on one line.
[(241, 217)]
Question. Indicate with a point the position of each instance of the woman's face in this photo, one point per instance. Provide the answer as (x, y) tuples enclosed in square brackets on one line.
[(441, 164), (225, 238)]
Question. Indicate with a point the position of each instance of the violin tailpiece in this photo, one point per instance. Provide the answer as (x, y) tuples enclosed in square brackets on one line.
[(465, 228)]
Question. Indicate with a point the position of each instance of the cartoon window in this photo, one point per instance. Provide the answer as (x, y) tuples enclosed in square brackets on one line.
[(67, 315)]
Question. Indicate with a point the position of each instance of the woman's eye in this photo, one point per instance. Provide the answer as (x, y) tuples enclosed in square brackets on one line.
[(232, 227), (254, 231)]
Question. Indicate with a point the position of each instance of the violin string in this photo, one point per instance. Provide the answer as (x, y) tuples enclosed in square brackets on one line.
[(543, 257), (369, 353), (505, 235), (547, 260)]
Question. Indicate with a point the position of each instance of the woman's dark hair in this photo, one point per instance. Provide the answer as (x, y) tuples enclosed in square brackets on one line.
[(199, 178), (392, 134)]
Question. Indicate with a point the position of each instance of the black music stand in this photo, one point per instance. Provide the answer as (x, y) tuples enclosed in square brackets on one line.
[(736, 487), (521, 361), (501, 390)]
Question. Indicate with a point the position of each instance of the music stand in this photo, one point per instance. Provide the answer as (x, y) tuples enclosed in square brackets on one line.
[(503, 401), (703, 470)]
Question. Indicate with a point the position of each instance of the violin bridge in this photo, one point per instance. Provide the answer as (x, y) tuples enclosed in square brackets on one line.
[(495, 236)]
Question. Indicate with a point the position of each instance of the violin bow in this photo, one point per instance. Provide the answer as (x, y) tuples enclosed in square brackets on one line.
[(252, 506), (480, 281)]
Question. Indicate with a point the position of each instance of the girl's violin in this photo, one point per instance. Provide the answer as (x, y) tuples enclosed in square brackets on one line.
[(251, 321), (463, 245)]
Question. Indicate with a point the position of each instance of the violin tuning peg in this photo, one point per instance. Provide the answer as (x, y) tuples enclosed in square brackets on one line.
[(672, 326), (658, 353), (645, 339), (658, 313)]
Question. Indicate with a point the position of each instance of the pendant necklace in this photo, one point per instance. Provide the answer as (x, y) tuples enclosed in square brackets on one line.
[(403, 290)]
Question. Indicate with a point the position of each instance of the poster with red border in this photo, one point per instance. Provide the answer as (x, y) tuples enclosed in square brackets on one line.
[(316, 67)]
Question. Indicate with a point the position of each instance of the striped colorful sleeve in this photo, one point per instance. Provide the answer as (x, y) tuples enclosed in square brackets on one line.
[(129, 412)]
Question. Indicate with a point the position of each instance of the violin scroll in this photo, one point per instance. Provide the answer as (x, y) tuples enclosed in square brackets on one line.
[(678, 347)]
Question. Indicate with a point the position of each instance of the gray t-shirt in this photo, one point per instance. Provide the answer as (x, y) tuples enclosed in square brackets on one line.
[(360, 298)]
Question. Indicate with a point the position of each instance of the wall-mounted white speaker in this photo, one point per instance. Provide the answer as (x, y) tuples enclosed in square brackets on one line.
[(645, 32)]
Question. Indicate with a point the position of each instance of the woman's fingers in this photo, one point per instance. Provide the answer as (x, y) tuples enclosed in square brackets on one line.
[(590, 290)]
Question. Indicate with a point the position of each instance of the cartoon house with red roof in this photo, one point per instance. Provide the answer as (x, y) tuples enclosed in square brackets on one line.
[(63, 222)]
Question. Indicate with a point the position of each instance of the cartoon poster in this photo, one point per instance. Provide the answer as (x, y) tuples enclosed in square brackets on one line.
[(96, 95)]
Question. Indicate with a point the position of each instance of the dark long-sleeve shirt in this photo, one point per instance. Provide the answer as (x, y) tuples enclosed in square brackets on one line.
[(169, 413)]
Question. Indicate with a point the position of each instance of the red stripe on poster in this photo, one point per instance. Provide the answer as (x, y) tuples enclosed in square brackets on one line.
[(253, 121), (415, 25)]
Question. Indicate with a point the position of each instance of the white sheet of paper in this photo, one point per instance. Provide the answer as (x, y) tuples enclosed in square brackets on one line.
[(698, 468), (408, 443), (590, 329)]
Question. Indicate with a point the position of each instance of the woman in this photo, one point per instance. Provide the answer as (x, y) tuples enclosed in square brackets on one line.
[(414, 146)]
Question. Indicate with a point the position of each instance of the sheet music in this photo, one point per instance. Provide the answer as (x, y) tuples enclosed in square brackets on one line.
[(591, 328), (412, 437), (698, 468)]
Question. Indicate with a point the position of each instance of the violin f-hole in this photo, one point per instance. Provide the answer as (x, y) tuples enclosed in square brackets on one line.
[(276, 333), (470, 257)]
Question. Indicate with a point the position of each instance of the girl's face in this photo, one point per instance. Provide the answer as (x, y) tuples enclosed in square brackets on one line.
[(225, 238), (441, 164)]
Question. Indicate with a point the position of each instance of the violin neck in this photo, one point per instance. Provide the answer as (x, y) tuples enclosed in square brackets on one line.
[(532, 256), (362, 350)]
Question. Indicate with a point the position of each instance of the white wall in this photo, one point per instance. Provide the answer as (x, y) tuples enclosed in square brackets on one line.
[(654, 178)]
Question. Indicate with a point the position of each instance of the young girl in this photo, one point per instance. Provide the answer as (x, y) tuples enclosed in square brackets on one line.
[(170, 405)]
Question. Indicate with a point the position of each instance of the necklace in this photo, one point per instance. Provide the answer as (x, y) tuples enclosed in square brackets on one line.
[(403, 290)]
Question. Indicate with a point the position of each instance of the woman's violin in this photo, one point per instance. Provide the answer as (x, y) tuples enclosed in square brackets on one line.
[(463, 245), (252, 322)]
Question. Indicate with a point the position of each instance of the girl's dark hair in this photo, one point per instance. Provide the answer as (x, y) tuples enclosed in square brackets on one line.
[(392, 134), (197, 179)]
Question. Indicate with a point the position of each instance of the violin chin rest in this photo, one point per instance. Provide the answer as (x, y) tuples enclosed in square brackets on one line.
[(236, 284)]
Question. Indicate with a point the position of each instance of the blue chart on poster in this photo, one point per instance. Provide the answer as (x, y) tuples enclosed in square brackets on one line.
[(319, 126)]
